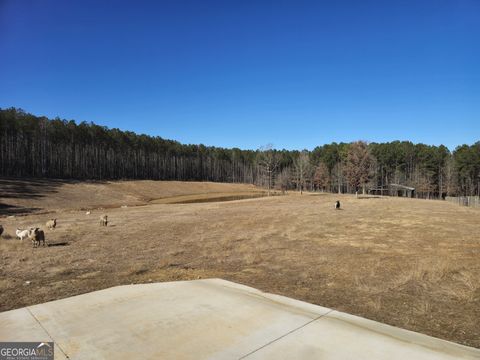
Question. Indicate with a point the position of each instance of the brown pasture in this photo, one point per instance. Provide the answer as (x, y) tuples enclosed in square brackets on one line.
[(405, 262)]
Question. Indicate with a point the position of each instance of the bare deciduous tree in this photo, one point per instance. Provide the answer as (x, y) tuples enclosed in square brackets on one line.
[(358, 165), (268, 161), (302, 170), (337, 176), (321, 177), (283, 180)]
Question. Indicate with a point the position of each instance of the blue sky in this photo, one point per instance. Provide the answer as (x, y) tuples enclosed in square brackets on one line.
[(246, 73)]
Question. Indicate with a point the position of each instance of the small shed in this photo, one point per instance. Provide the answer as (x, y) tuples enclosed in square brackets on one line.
[(394, 190)]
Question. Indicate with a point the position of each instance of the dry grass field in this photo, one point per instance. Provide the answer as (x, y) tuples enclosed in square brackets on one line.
[(410, 263)]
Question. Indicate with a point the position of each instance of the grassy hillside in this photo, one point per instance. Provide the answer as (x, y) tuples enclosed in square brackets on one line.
[(41, 195)]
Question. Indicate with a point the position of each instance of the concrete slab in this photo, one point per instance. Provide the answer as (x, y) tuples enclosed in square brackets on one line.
[(343, 336), (21, 325), (212, 319)]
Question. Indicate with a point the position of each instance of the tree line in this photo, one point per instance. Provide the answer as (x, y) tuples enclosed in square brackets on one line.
[(32, 146)]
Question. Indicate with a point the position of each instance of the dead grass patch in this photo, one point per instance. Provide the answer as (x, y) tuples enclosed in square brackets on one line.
[(406, 262)]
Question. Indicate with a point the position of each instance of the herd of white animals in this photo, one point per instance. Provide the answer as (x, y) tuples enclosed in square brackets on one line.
[(37, 235)]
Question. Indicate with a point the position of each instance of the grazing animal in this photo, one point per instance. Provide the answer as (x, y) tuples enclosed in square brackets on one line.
[(103, 220), (21, 233), (88, 213), (1, 229), (337, 205), (51, 224), (37, 235)]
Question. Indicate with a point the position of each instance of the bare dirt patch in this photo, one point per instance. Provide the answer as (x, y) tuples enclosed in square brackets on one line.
[(409, 263)]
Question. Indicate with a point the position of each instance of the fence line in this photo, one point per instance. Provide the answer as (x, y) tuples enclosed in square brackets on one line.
[(473, 201)]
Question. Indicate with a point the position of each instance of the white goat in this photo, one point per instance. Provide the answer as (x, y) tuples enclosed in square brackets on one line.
[(21, 233)]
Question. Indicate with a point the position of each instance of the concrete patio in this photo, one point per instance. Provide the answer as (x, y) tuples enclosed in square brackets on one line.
[(212, 319)]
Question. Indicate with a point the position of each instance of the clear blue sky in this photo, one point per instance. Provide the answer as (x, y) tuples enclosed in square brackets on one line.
[(246, 73)]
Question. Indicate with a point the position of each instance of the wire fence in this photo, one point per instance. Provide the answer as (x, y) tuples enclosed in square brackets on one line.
[(472, 201)]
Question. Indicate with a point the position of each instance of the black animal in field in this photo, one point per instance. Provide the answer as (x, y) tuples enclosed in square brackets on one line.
[(337, 205), (1, 229), (36, 235)]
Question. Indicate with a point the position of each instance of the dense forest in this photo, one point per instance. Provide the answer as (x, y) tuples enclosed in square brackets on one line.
[(34, 146)]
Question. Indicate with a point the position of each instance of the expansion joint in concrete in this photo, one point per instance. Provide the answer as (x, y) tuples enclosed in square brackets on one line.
[(46, 331), (284, 335)]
